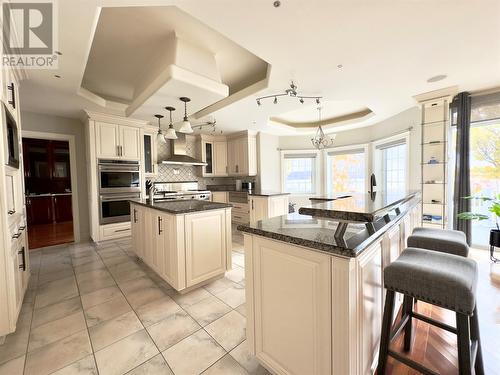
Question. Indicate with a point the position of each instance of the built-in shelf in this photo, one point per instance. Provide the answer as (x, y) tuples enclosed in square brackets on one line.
[(436, 163)]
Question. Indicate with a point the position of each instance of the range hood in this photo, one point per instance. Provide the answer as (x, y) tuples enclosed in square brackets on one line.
[(179, 155)]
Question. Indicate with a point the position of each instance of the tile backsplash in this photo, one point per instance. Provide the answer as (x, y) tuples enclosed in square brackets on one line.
[(171, 173)]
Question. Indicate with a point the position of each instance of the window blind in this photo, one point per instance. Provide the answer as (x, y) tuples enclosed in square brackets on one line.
[(397, 142)]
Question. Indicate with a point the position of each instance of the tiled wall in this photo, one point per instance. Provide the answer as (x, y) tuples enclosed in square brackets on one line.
[(170, 173)]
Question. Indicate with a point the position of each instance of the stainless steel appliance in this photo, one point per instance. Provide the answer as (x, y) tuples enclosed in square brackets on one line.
[(247, 185), (164, 191), (115, 208), (119, 176)]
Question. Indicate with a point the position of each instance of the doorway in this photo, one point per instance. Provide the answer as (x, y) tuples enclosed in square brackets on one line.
[(48, 190)]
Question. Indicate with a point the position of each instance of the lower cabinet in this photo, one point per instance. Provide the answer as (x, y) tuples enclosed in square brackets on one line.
[(219, 196), (265, 207)]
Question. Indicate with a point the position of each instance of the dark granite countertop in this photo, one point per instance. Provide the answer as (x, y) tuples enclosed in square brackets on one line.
[(358, 207), (265, 193), (318, 234), (182, 206)]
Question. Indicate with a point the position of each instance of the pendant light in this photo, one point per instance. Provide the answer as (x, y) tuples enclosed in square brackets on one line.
[(321, 140), (186, 125), (170, 132), (160, 136)]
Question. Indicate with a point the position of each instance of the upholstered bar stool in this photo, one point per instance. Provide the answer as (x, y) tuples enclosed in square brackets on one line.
[(443, 240), (443, 280)]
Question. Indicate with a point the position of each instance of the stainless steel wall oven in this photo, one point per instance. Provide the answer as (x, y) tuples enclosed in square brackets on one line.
[(119, 176)]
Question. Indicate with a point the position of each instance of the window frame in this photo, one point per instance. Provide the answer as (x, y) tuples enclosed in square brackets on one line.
[(316, 185), (339, 150)]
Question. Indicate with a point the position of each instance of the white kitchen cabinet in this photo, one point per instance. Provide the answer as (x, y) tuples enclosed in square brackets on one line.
[(115, 230), (220, 158), (242, 155), (219, 196), (265, 207), (214, 153), (117, 141), (280, 312), (137, 229), (149, 153), (205, 239)]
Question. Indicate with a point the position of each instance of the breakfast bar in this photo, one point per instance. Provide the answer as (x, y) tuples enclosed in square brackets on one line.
[(315, 292)]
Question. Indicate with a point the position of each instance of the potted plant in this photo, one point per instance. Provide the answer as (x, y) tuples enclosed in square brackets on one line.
[(494, 233)]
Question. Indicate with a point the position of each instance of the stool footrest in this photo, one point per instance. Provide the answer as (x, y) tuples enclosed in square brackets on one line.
[(410, 363), (434, 322), (401, 324)]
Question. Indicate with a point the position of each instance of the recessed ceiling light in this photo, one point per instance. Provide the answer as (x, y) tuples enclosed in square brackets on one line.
[(277, 4), (57, 76), (437, 78), (58, 53), (340, 66)]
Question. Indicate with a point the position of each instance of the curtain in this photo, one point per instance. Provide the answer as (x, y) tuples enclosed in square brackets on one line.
[(461, 108)]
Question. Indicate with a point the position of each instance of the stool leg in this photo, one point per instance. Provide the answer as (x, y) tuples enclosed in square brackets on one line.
[(463, 343), (474, 333), (385, 337), (408, 310)]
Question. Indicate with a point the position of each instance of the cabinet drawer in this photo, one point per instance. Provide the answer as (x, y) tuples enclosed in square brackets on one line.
[(240, 208), (115, 231), (240, 218)]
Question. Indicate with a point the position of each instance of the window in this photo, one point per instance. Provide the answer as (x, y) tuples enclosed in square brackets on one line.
[(346, 171), (299, 173), (394, 169)]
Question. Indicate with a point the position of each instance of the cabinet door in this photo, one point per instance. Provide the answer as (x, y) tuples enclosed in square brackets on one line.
[(219, 196), (129, 142), (220, 158), (242, 156), (205, 239), (137, 229), (278, 206), (292, 307), (259, 209), (207, 155), (107, 140), (231, 157), (63, 208), (149, 154), (40, 210)]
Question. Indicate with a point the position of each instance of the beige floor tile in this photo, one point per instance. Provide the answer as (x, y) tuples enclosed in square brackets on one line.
[(144, 296), (191, 298), (125, 276), (114, 329), (229, 331), (56, 330), (56, 311), (92, 275), (15, 343), (85, 366), (242, 309), (237, 274), (116, 260), (59, 354), (91, 285), (157, 310), (136, 284), (100, 296), (48, 277), (227, 365), (107, 310), (155, 366), (200, 348), (238, 259), (13, 367), (90, 266), (126, 354), (87, 260), (233, 296), (247, 360), (171, 330), (56, 291), (219, 285), (207, 310)]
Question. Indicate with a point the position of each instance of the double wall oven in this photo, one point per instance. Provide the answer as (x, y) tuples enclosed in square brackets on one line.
[(119, 181)]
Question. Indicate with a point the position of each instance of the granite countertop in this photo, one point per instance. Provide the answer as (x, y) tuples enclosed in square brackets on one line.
[(181, 206), (358, 207), (318, 233), (265, 193)]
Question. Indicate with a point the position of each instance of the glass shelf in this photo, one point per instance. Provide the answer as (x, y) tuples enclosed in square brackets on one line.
[(436, 143), (438, 163)]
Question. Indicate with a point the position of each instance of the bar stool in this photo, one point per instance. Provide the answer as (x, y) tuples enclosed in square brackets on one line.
[(443, 280), (442, 240)]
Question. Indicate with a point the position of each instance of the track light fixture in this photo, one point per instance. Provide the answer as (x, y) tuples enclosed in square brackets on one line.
[(291, 92)]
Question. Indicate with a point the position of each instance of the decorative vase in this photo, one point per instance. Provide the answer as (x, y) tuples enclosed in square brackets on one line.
[(494, 242)]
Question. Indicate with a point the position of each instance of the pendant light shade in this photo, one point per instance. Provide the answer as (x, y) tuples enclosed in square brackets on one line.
[(186, 125), (160, 136), (170, 132)]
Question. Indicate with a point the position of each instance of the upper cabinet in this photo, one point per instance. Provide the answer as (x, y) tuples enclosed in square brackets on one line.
[(149, 153), (117, 141), (234, 155)]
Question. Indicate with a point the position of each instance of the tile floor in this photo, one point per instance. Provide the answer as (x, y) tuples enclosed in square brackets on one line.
[(98, 310)]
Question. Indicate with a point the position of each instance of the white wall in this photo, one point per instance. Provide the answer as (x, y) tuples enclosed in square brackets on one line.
[(384, 129), (61, 125), (268, 162)]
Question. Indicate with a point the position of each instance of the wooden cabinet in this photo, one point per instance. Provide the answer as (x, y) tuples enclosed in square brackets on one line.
[(289, 316), (205, 239), (117, 141), (219, 196), (40, 210), (220, 158), (63, 210), (137, 228), (214, 153), (149, 154), (242, 156), (264, 207)]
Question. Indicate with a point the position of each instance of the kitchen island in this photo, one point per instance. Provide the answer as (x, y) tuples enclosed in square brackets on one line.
[(187, 242), (314, 284)]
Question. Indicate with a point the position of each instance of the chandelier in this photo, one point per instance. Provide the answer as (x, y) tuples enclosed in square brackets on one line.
[(321, 140), (291, 92)]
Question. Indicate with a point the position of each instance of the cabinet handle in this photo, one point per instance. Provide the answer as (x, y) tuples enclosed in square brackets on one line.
[(252, 204), (23, 253), (23, 227), (121, 230), (237, 169), (159, 225), (117, 150), (11, 212), (12, 101), (16, 235), (135, 215)]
